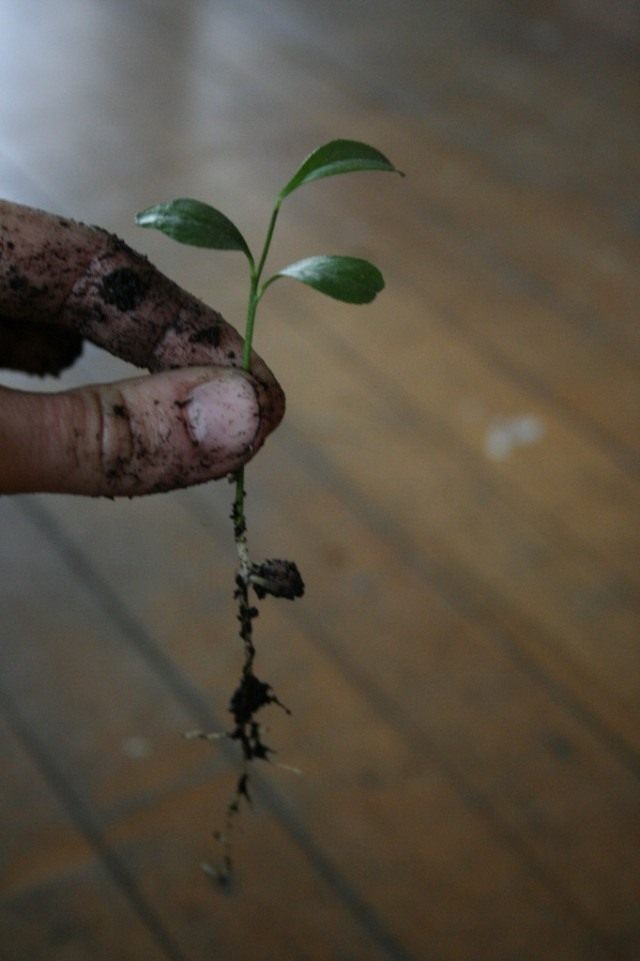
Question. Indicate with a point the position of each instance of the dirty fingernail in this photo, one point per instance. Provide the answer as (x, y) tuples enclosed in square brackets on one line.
[(223, 414)]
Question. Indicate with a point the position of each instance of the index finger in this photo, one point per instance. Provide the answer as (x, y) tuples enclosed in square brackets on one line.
[(56, 271)]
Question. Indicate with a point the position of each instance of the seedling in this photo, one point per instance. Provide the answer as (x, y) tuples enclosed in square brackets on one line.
[(348, 279)]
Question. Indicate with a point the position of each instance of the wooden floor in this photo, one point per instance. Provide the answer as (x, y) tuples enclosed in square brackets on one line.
[(457, 478)]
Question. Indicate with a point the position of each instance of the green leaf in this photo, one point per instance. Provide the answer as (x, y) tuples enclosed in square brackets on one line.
[(349, 279), (338, 157), (195, 223)]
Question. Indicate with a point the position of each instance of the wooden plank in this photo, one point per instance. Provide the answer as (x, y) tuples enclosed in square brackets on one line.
[(435, 896), (480, 76), (446, 688), (73, 916), (272, 909), (56, 898), (122, 756), (372, 750), (418, 659), (523, 337), (564, 228), (436, 501), (446, 389), (30, 811), (96, 671)]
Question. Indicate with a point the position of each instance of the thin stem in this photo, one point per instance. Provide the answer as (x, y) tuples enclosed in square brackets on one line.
[(251, 317), (267, 242), (245, 612), (240, 526), (254, 292)]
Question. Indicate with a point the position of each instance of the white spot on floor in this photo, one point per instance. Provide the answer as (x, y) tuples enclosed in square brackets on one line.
[(504, 435), (136, 748)]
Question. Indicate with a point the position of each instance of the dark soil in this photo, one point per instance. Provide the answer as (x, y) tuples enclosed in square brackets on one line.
[(124, 288)]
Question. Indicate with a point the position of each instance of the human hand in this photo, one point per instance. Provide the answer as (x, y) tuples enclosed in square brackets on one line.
[(197, 417)]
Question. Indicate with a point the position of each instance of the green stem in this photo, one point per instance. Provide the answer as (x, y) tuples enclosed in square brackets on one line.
[(239, 521), (267, 242), (251, 317)]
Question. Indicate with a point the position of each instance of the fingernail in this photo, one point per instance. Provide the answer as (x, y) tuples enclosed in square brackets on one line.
[(223, 414)]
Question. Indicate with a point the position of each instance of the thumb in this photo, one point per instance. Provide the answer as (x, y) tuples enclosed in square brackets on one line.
[(138, 436)]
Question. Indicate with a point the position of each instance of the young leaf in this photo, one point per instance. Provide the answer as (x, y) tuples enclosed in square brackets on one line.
[(349, 279), (194, 223), (337, 157)]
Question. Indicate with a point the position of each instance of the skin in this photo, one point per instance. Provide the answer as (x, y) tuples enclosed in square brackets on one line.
[(197, 417)]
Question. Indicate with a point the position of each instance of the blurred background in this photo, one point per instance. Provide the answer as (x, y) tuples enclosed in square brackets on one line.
[(457, 479)]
